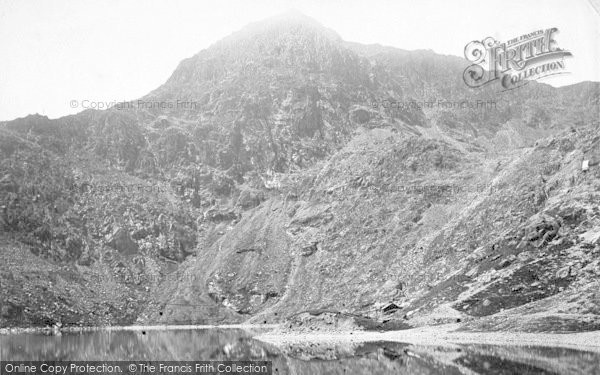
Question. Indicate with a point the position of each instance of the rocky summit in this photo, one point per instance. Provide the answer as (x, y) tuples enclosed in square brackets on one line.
[(286, 175)]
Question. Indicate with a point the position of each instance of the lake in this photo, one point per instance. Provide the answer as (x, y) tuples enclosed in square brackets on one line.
[(311, 358)]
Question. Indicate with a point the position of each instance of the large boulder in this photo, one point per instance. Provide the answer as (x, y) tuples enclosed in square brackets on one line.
[(121, 241), (217, 216), (250, 198), (360, 116)]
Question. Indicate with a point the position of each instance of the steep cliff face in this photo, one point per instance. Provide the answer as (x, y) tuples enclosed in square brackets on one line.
[(284, 169), (388, 219)]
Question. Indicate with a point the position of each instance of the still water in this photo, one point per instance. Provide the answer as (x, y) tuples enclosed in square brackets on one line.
[(371, 358)]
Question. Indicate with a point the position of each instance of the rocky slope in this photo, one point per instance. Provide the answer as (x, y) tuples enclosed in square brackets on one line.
[(290, 170)]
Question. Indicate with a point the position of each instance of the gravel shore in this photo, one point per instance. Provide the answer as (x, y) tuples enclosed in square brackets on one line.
[(443, 335)]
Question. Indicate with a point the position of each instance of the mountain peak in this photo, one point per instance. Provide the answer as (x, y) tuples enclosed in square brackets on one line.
[(290, 43), (284, 22)]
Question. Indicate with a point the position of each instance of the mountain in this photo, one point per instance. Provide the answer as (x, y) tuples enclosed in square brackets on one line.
[(284, 169)]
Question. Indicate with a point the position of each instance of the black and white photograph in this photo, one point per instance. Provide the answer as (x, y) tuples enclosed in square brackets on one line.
[(299, 187)]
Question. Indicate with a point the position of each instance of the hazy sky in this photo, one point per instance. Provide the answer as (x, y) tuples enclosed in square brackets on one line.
[(56, 52)]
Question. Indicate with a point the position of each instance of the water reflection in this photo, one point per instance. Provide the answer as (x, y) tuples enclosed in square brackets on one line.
[(309, 358)]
